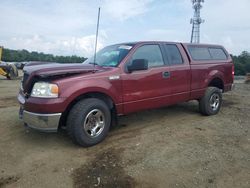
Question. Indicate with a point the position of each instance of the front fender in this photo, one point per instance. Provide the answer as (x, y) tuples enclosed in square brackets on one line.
[(104, 86)]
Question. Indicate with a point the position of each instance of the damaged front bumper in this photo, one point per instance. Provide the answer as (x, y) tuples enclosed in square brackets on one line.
[(39, 121)]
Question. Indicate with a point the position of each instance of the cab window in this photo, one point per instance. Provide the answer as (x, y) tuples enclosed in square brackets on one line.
[(151, 53), (174, 54)]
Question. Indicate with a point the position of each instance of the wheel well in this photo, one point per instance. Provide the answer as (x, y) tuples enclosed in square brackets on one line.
[(98, 95), (217, 82)]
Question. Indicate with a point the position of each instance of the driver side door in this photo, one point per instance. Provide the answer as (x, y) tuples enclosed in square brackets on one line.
[(146, 89)]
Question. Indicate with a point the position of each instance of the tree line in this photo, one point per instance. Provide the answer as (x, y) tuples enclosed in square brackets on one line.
[(24, 55), (241, 62)]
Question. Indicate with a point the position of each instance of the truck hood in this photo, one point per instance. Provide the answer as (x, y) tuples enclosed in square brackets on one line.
[(33, 73), (56, 69)]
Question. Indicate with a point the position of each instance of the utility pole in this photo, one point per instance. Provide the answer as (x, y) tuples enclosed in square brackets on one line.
[(196, 21)]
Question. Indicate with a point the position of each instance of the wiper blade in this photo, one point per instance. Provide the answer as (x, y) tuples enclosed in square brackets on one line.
[(93, 63)]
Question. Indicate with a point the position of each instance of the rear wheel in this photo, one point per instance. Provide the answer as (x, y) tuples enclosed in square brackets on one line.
[(210, 103), (89, 121)]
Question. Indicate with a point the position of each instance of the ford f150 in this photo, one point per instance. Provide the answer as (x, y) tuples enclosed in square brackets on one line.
[(86, 98)]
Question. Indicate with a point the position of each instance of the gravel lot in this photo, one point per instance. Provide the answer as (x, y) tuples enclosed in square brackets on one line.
[(168, 147)]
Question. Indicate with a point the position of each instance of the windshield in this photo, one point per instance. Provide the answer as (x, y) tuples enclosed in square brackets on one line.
[(110, 56)]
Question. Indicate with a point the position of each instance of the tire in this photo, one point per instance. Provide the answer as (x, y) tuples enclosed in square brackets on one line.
[(88, 122), (210, 103)]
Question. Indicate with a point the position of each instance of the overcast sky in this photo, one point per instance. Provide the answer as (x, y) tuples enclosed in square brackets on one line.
[(67, 27)]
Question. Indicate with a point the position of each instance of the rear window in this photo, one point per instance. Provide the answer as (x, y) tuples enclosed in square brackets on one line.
[(207, 53), (217, 53), (199, 53)]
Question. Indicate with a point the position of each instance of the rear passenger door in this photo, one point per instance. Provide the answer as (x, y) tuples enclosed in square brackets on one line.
[(180, 73)]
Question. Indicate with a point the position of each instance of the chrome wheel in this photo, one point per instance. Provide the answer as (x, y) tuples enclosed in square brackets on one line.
[(94, 123), (214, 101)]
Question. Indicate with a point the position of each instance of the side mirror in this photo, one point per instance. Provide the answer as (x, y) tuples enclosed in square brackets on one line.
[(138, 64)]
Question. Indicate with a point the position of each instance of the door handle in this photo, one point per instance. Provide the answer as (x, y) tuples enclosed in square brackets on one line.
[(166, 74)]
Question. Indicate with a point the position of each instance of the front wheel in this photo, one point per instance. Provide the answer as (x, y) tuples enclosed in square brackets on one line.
[(210, 103), (89, 121)]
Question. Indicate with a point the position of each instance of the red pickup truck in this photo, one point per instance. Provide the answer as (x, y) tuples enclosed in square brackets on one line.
[(124, 78)]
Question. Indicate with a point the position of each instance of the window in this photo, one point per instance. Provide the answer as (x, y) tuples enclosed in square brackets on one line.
[(151, 53), (207, 53), (217, 53), (199, 53), (110, 56), (174, 54)]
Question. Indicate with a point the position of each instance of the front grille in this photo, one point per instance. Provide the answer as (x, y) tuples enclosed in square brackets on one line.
[(24, 80)]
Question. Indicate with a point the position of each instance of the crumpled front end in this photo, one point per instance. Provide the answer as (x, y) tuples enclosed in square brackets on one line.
[(45, 122)]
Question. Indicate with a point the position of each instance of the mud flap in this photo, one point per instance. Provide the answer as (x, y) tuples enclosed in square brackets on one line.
[(21, 112)]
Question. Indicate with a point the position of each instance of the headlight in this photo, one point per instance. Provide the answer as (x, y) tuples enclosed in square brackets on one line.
[(45, 90)]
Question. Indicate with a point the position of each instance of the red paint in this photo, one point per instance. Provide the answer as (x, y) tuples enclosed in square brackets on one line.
[(133, 91)]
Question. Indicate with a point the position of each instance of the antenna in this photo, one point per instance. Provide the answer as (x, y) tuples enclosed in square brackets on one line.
[(196, 21), (96, 36)]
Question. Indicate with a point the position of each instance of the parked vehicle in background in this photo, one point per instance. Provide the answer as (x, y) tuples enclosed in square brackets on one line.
[(8, 70), (125, 78), (20, 65)]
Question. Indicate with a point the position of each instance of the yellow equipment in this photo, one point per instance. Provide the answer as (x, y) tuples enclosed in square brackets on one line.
[(1, 50), (8, 70)]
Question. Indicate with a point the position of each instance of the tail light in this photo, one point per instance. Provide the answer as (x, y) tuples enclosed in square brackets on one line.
[(233, 71)]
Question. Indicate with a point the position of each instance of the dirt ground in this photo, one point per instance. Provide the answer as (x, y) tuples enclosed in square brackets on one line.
[(168, 147)]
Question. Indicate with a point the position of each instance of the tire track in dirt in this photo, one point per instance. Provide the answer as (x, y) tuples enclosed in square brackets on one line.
[(8, 102), (8, 180), (104, 170)]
